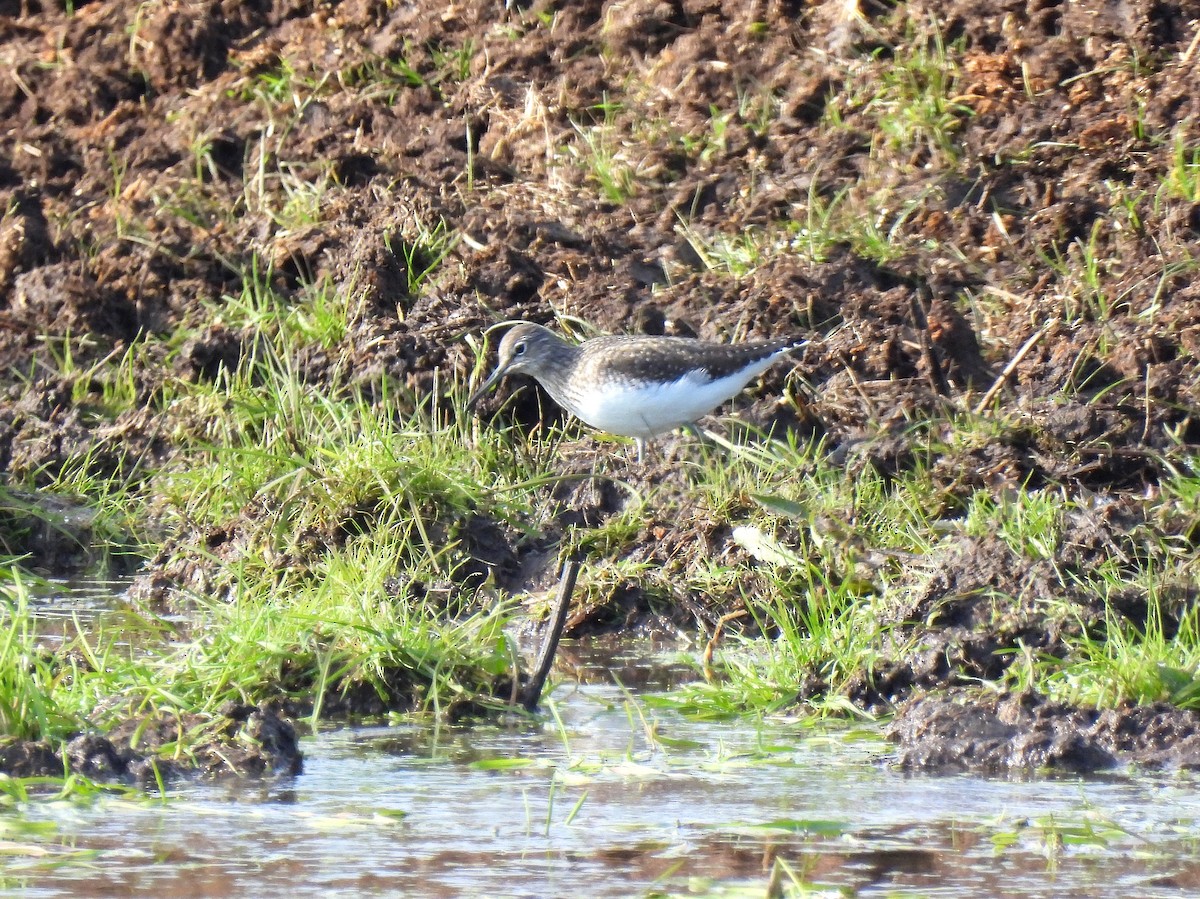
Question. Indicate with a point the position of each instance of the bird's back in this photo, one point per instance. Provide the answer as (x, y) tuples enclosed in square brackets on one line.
[(644, 386), (638, 358)]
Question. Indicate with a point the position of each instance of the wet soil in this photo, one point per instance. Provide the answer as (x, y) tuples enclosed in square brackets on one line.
[(241, 741), (129, 204), (1027, 733)]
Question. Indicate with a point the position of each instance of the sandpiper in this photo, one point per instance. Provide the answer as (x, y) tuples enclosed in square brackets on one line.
[(635, 386)]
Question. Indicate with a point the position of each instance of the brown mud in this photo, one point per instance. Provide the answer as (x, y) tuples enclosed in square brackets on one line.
[(242, 741), (129, 204)]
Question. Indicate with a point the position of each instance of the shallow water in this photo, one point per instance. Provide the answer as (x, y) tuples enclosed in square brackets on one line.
[(59, 602), (623, 799)]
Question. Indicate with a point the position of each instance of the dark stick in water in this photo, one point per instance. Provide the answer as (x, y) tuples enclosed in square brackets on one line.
[(558, 618)]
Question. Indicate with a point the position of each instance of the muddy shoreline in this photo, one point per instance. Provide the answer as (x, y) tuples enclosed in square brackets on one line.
[(1013, 246)]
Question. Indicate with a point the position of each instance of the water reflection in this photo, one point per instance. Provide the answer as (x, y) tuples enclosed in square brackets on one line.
[(54, 599), (66, 607)]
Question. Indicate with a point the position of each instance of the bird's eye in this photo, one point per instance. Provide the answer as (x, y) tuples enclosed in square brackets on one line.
[(519, 349)]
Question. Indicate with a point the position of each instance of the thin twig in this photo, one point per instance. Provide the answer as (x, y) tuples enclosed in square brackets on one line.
[(558, 618), (936, 376), (1191, 50), (711, 648), (1148, 413), (1012, 365)]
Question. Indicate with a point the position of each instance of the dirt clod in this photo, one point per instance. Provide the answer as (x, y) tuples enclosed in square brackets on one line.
[(1027, 732)]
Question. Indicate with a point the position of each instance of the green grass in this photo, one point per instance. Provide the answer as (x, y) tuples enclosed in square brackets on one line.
[(342, 630), (606, 165), (1029, 522), (806, 526), (915, 106), (345, 625), (1154, 661), (345, 509), (1183, 179), (32, 701), (317, 314), (348, 513), (834, 557), (828, 220), (1153, 654), (424, 249)]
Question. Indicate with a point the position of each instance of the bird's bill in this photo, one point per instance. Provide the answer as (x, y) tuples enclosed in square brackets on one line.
[(492, 381)]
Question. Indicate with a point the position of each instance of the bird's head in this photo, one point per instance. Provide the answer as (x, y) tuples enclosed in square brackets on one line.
[(525, 348)]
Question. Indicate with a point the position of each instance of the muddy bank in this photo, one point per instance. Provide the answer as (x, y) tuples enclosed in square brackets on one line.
[(243, 741), (1026, 733), (981, 215)]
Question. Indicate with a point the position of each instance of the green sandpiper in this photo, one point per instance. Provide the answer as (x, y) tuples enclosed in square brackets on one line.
[(631, 385)]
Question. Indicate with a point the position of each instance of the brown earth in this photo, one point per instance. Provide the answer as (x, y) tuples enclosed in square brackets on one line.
[(244, 740), (129, 204)]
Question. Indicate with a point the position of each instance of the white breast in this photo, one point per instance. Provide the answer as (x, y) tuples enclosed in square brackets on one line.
[(644, 410)]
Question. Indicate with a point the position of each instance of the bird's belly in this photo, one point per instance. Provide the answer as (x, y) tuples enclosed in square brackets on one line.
[(644, 410)]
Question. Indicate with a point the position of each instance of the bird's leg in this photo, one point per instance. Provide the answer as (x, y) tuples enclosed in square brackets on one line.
[(641, 449)]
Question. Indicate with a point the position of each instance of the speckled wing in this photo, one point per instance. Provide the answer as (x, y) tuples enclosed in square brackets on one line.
[(670, 358)]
